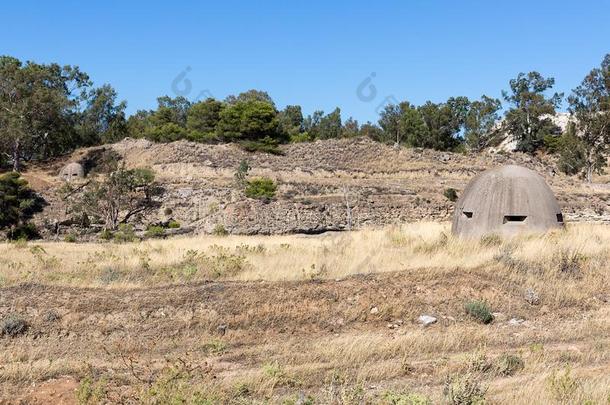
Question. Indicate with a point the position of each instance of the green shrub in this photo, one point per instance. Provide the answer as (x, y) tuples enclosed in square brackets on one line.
[(125, 234), (106, 234), (173, 224), (451, 194), (479, 311), (155, 231), (70, 238), (220, 230), (13, 325), (90, 391), (263, 188), (18, 203)]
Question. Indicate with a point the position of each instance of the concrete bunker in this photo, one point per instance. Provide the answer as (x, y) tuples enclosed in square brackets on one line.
[(72, 171), (506, 201)]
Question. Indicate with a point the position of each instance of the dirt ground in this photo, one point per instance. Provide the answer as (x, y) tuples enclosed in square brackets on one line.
[(354, 340)]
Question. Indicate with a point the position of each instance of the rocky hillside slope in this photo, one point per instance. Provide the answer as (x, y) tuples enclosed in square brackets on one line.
[(322, 186)]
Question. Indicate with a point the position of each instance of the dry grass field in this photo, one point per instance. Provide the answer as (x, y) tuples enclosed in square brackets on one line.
[(328, 319)]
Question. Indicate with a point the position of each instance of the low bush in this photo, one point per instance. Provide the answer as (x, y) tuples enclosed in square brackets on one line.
[(451, 194), (173, 224), (262, 189), (464, 390), (106, 235), (479, 311), (125, 234), (220, 230), (563, 387), (90, 391), (70, 238), (27, 231), (13, 325), (155, 231)]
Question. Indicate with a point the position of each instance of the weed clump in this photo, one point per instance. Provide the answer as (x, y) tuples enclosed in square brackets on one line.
[(464, 390), (491, 240), (508, 364), (480, 311), (562, 386), (570, 263)]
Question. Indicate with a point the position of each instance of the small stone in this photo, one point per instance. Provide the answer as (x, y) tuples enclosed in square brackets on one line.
[(516, 321), (426, 320), (374, 310), (499, 316), (532, 297)]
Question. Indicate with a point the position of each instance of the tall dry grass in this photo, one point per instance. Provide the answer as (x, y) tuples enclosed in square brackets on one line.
[(426, 247)]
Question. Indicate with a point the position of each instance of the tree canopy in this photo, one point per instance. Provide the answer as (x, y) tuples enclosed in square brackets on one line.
[(528, 119), (48, 109)]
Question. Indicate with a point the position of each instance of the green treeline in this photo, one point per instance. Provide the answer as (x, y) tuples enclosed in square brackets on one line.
[(47, 110)]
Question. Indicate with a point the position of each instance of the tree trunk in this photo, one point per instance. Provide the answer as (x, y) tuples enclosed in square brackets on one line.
[(16, 155), (590, 166), (589, 173)]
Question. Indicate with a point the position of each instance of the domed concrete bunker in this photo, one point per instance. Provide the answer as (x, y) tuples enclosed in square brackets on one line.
[(72, 171), (506, 201)]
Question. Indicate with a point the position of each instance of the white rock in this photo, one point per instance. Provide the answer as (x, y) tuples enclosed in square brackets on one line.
[(516, 322), (374, 310), (426, 320)]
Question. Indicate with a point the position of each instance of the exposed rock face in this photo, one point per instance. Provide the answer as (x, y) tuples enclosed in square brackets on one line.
[(509, 143), (316, 183), (506, 201)]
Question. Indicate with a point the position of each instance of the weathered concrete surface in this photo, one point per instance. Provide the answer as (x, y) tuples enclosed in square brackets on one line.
[(506, 201), (72, 171)]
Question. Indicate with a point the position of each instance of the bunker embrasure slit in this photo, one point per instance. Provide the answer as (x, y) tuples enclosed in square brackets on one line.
[(467, 214), (560, 217), (514, 218)]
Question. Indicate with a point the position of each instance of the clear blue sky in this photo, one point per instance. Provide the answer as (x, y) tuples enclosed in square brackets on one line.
[(312, 53)]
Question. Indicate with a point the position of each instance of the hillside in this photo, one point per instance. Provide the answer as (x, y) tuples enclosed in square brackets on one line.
[(317, 181)]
